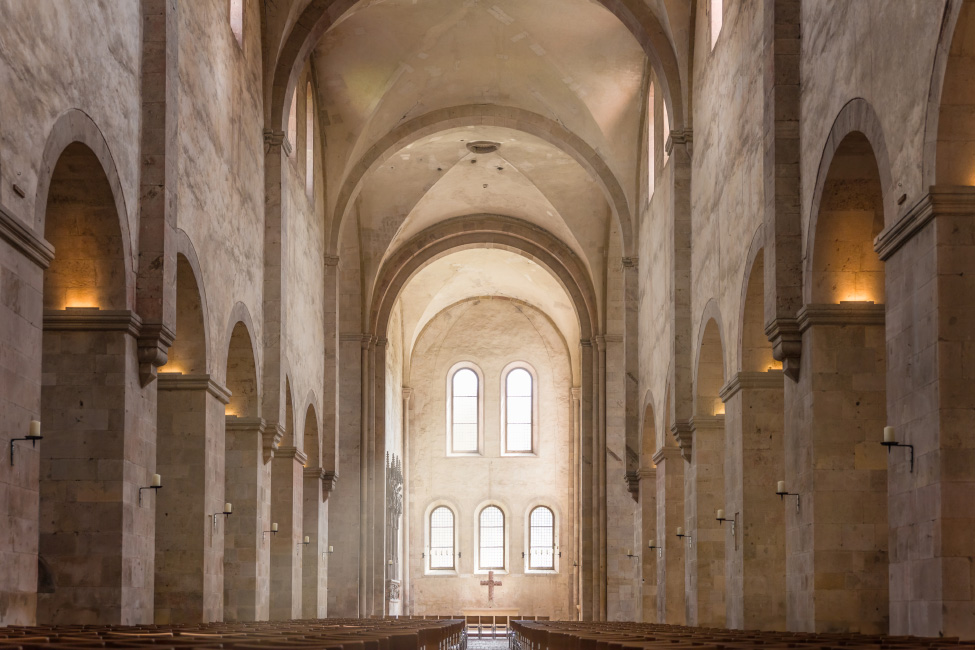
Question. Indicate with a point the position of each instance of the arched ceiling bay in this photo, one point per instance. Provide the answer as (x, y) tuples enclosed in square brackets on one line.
[(571, 61), (486, 272)]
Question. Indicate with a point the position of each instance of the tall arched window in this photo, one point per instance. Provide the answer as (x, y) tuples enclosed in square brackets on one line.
[(237, 20), (490, 541), (717, 18), (464, 410), (651, 154), (518, 410), (309, 142), (442, 538), (293, 120), (541, 539)]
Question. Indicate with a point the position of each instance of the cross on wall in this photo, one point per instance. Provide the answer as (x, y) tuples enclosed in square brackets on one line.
[(491, 583)]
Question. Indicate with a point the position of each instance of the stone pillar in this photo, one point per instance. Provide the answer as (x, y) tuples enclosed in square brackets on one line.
[(287, 475), (189, 550), (404, 560), (671, 554), (314, 581), (706, 543), (835, 414), (96, 543), (575, 596), (930, 293), (648, 533), (246, 558), (755, 536), (588, 523)]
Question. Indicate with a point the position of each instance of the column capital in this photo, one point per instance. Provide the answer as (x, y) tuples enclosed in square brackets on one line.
[(291, 452), (845, 313), (683, 432), (154, 342), (786, 339), (665, 453), (32, 246), (177, 381), (769, 380), (682, 137), (273, 139), (331, 260), (940, 200)]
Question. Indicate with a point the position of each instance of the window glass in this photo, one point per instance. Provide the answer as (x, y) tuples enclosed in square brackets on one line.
[(518, 410), (442, 538), (541, 543), (464, 410), (492, 538)]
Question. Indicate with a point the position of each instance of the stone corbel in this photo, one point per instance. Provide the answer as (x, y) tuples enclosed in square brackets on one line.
[(684, 137), (786, 339), (276, 139), (683, 433), (154, 342), (271, 437), (632, 479), (292, 452), (328, 479)]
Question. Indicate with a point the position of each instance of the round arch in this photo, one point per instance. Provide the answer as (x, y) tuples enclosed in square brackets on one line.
[(240, 314), (932, 117), (711, 313), (185, 248), (485, 115)]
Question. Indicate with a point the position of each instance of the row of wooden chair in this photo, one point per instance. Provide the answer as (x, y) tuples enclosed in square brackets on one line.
[(494, 627), (576, 635), (328, 634)]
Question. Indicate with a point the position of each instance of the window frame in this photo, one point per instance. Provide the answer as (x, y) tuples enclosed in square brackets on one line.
[(449, 409), (516, 365), (528, 539), (479, 568), (428, 569)]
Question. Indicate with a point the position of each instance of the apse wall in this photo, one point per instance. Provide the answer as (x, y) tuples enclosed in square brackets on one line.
[(490, 333)]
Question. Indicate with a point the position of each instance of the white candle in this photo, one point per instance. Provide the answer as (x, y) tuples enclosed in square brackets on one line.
[(274, 527), (650, 545), (720, 513), (228, 508), (307, 540), (780, 488), (629, 551), (35, 429), (331, 549), (389, 562), (156, 481), (680, 531), (889, 434)]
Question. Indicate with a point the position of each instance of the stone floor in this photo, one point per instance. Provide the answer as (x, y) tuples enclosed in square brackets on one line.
[(487, 644)]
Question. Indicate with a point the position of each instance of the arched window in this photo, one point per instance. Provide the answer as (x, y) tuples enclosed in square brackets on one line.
[(518, 411), (717, 17), (651, 154), (490, 541), (442, 538), (293, 120), (237, 20), (309, 142), (541, 539), (464, 410)]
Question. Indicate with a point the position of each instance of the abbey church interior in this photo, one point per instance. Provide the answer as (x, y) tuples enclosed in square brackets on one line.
[(547, 313)]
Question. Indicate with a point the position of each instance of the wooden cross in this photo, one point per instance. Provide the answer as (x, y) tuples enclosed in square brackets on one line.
[(491, 583)]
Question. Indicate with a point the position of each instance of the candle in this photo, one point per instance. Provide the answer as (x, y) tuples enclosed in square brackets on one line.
[(720, 513), (780, 488), (680, 531), (228, 508), (889, 434), (389, 562), (307, 540), (274, 527), (629, 551), (156, 481), (650, 545), (35, 429), (331, 549)]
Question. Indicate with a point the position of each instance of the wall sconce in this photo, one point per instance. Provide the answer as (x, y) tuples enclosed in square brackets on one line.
[(780, 490), (681, 535), (273, 531), (228, 509), (720, 518), (306, 542), (629, 553), (331, 549), (33, 434), (651, 546), (154, 484), (890, 440)]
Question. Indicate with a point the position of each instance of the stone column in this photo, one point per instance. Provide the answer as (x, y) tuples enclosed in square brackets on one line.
[(189, 550), (246, 559), (96, 543), (755, 536), (930, 293), (837, 541), (706, 543), (671, 554), (287, 475), (648, 533), (575, 602), (588, 518), (405, 558), (314, 581)]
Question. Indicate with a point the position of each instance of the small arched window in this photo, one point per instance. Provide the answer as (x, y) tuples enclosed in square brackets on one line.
[(309, 142), (717, 18), (541, 539), (293, 120), (464, 410), (651, 153), (491, 538), (518, 410), (237, 20), (442, 538)]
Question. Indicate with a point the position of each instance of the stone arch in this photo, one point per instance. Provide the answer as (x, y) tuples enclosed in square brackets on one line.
[(486, 115), (857, 116), (495, 231), (290, 438), (76, 127), (648, 431), (312, 433), (710, 361), (320, 15), (754, 348), (945, 156), (242, 374), (187, 252), (188, 353)]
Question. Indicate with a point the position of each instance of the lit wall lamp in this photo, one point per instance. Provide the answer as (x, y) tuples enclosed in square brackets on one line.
[(154, 484), (890, 440), (33, 434), (273, 531), (629, 553), (780, 490), (228, 509)]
